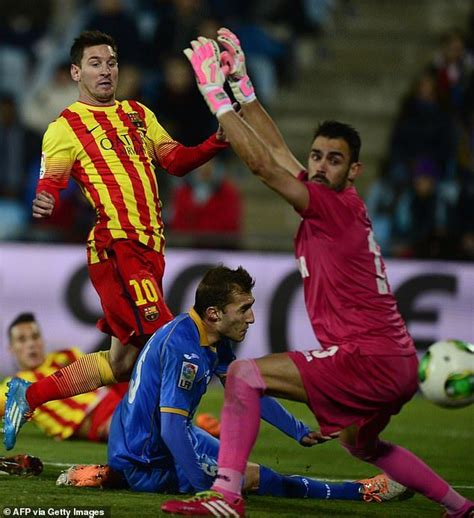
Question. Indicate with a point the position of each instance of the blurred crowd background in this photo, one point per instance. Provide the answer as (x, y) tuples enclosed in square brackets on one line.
[(400, 72)]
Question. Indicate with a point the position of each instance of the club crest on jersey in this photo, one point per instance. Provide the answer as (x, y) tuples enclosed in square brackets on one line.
[(151, 313), (136, 120), (188, 375)]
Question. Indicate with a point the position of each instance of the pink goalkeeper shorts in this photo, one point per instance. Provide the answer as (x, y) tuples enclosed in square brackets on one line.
[(345, 388)]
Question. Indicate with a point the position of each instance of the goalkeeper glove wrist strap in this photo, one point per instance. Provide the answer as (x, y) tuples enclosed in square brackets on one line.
[(217, 100)]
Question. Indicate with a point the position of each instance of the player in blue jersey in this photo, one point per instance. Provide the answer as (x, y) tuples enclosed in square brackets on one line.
[(153, 443)]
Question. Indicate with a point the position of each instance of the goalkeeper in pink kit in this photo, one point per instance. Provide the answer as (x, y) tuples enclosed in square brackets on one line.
[(367, 367)]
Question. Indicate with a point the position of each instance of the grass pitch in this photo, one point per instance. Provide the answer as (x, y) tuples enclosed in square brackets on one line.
[(443, 438)]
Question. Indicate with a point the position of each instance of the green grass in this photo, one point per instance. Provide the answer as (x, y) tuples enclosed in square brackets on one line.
[(444, 438)]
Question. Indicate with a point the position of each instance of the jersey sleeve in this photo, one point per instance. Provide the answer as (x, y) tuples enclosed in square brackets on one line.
[(175, 433), (159, 142), (177, 378), (57, 159), (277, 415), (175, 158)]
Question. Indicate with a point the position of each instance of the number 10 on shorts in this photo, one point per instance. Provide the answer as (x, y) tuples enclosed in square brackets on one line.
[(145, 291)]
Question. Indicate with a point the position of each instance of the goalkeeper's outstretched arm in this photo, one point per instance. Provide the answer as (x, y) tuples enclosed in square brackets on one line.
[(277, 170), (233, 62)]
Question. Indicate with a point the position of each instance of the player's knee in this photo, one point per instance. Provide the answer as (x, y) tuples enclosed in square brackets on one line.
[(368, 452), (122, 359), (247, 370), (122, 368)]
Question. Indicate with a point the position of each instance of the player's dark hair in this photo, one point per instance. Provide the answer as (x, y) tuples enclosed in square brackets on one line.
[(218, 286), (335, 129), (90, 39), (22, 318)]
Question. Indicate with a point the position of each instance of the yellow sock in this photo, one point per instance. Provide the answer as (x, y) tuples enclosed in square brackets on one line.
[(84, 375)]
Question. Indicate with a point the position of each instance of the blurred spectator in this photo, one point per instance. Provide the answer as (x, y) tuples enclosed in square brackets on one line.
[(22, 25), (422, 130), (181, 109), (426, 218), (453, 65), (112, 17), (176, 25), (465, 212), (18, 148), (46, 104), (130, 85), (466, 186), (300, 16), (179, 104), (207, 208), (180, 21), (264, 54), (470, 30), (381, 201)]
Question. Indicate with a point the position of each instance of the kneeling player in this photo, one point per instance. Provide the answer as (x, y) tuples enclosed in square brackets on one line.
[(153, 444)]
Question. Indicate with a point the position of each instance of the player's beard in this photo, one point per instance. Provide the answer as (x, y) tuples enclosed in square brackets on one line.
[(341, 185)]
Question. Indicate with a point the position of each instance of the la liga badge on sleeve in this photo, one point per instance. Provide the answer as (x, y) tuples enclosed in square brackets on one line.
[(187, 376)]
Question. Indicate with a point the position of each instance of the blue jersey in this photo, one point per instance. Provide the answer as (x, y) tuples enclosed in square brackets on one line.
[(171, 375)]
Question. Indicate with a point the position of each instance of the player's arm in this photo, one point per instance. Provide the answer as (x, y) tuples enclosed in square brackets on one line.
[(57, 159), (271, 410), (176, 404), (277, 415), (270, 167), (259, 119), (174, 431), (184, 159), (176, 158), (233, 62), (267, 166)]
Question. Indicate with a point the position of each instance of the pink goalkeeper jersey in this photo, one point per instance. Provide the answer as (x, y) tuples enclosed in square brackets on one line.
[(347, 295)]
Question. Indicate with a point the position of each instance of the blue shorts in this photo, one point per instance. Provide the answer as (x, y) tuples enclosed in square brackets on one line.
[(173, 479)]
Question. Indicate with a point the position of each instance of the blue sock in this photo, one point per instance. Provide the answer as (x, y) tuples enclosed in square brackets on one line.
[(296, 486)]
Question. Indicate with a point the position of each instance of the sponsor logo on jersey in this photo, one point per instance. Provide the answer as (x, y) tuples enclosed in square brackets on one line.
[(151, 313), (191, 356), (188, 375)]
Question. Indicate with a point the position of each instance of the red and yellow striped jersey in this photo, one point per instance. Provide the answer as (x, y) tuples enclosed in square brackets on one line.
[(63, 417), (112, 153)]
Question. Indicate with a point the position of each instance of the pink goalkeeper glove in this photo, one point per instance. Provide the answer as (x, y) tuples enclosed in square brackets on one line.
[(233, 63), (205, 60)]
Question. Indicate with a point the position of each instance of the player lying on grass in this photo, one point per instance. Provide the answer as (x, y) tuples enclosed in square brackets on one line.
[(86, 416), (367, 368), (153, 443)]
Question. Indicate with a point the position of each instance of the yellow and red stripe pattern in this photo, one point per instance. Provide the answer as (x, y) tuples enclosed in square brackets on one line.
[(63, 417), (112, 152)]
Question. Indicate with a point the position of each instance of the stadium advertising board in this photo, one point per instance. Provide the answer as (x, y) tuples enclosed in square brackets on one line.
[(436, 298)]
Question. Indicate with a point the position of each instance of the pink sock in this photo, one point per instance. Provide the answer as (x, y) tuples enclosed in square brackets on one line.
[(407, 469), (240, 422), (451, 503)]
